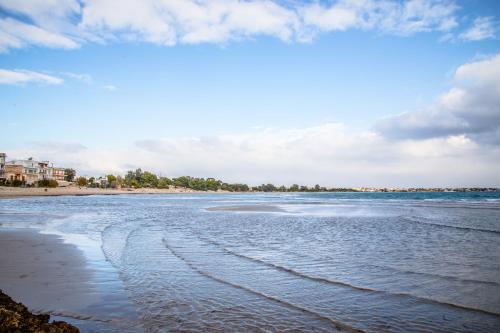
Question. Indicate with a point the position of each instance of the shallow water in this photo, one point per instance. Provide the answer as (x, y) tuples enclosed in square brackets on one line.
[(374, 262)]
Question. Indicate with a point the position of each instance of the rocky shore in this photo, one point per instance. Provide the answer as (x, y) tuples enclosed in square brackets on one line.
[(15, 317)]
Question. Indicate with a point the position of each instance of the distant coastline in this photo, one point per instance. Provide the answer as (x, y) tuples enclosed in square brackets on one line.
[(12, 192), (30, 177)]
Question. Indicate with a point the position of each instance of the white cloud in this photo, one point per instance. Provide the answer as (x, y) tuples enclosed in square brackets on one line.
[(68, 23), (110, 87), (85, 78), (482, 28), (336, 17), (329, 154), (17, 34), (42, 11), (56, 148), (168, 22), (470, 107), (22, 76), (400, 18)]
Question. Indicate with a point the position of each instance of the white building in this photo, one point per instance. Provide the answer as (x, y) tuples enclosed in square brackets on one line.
[(2, 165), (39, 169), (30, 171)]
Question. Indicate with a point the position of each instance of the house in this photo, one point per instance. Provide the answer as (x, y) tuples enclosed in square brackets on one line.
[(101, 181), (14, 172), (57, 173), (30, 171)]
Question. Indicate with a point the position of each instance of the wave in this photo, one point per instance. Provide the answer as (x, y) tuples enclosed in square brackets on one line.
[(412, 219), (338, 325), (114, 239), (446, 277), (119, 323), (345, 284), (67, 314), (390, 268)]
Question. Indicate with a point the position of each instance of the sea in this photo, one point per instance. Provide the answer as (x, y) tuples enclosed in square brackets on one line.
[(279, 262)]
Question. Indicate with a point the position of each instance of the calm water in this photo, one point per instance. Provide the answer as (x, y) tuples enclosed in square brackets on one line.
[(315, 262)]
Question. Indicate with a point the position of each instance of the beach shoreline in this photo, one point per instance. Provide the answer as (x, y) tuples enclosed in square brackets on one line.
[(44, 273), (7, 192), (16, 192), (53, 277)]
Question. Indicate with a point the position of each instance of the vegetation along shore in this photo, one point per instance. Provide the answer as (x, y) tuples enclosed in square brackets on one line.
[(138, 181)]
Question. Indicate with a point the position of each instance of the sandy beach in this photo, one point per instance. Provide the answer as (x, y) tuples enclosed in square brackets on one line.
[(52, 277), (13, 192), (42, 272)]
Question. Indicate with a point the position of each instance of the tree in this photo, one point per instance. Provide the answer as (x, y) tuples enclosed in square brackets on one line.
[(128, 177), (240, 187), (133, 178), (268, 188), (138, 175), (119, 181), (148, 179), (69, 175), (134, 183), (198, 184), (213, 184), (111, 181), (182, 181), (164, 182), (81, 181)]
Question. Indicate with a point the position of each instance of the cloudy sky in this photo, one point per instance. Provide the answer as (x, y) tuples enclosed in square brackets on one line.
[(341, 93)]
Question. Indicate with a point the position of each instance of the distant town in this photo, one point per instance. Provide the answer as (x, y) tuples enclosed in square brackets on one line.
[(33, 173), (29, 172)]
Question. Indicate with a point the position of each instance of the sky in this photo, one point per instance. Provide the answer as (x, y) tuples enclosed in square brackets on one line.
[(340, 93)]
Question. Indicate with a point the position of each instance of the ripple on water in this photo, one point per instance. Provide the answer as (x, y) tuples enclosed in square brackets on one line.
[(172, 295)]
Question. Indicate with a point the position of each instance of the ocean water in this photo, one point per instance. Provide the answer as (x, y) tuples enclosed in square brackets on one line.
[(302, 262)]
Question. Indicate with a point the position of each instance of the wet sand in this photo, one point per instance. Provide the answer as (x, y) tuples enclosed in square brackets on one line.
[(42, 272), (13, 192), (247, 208)]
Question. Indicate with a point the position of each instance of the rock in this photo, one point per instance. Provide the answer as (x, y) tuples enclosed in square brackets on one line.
[(15, 318)]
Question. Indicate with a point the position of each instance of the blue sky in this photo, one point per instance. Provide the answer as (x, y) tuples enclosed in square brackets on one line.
[(80, 79)]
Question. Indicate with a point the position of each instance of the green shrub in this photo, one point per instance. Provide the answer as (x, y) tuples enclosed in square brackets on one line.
[(47, 183), (17, 183), (81, 181), (164, 182)]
